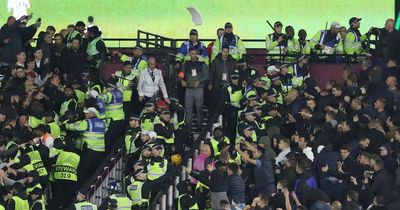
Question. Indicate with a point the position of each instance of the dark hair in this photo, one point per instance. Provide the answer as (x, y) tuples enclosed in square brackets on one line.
[(345, 147), (58, 34), (80, 24), (220, 29), (127, 63), (19, 187), (353, 195), (303, 164), (233, 167), (51, 28), (192, 49)]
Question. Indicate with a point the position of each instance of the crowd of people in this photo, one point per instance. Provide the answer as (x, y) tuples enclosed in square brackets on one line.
[(283, 143)]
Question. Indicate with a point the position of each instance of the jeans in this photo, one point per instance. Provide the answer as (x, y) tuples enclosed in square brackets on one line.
[(194, 96)]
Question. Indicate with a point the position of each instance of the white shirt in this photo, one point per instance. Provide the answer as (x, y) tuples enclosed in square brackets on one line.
[(308, 152), (147, 87), (282, 156)]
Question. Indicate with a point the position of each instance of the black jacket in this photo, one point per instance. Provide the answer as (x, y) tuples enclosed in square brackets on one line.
[(72, 62)]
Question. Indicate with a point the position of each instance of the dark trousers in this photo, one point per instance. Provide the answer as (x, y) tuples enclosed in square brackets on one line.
[(230, 122), (115, 131), (88, 165), (63, 194), (129, 109), (180, 140)]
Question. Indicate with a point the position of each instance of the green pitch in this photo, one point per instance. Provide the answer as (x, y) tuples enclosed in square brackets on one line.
[(170, 18)]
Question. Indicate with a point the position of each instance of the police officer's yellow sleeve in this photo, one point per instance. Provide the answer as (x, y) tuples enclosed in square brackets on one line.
[(106, 97), (364, 37), (339, 47), (348, 44), (81, 125), (215, 49), (315, 40), (142, 65), (241, 48), (125, 58), (269, 44)]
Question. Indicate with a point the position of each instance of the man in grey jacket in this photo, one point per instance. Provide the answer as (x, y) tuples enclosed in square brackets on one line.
[(194, 77)]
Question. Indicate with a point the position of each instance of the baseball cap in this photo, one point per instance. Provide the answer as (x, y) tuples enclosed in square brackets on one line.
[(148, 104), (271, 93), (249, 111), (165, 111), (300, 57), (271, 69), (274, 77), (252, 97), (90, 110), (37, 191), (134, 117), (228, 25), (193, 32), (137, 47), (335, 25), (354, 19), (283, 65)]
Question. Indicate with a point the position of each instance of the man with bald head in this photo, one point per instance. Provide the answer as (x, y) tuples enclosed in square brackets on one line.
[(385, 38)]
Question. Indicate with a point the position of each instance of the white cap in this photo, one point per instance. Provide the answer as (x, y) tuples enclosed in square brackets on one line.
[(272, 69), (152, 134), (90, 110), (93, 93), (335, 25)]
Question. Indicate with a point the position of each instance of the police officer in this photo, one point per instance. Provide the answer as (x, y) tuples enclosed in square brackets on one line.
[(139, 61), (80, 88), (193, 42), (287, 79), (114, 110), (93, 148), (354, 39), (70, 102), (19, 199), (32, 181), (65, 174), (276, 43), (216, 138), (82, 203), (293, 45), (133, 135), (126, 80), (300, 70), (96, 49), (228, 39), (185, 200), (115, 199), (147, 117), (53, 127), (305, 47), (77, 33), (158, 165), (232, 94), (36, 197), (327, 41), (165, 130), (139, 187)]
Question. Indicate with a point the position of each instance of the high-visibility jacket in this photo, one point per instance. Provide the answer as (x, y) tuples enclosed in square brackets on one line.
[(65, 106), (156, 169), (183, 52), (30, 189), (147, 121), (214, 145), (123, 202), (123, 84), (66, 167), (36, 163), (91, 49), (134, 191), (20, 204), (170, 140), (83, 205), (114, 106), (305, 48), (55, 130), (73, 35), (8, 146), (80, 95), (293, 47), (331, 46), (234, 96), (193, 207), (353, 42), (274, 47), (138, 64), (39, 202), (130, 142), (236, 47), (175, 120), (93, 132), (35, 122), (102, 108)]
